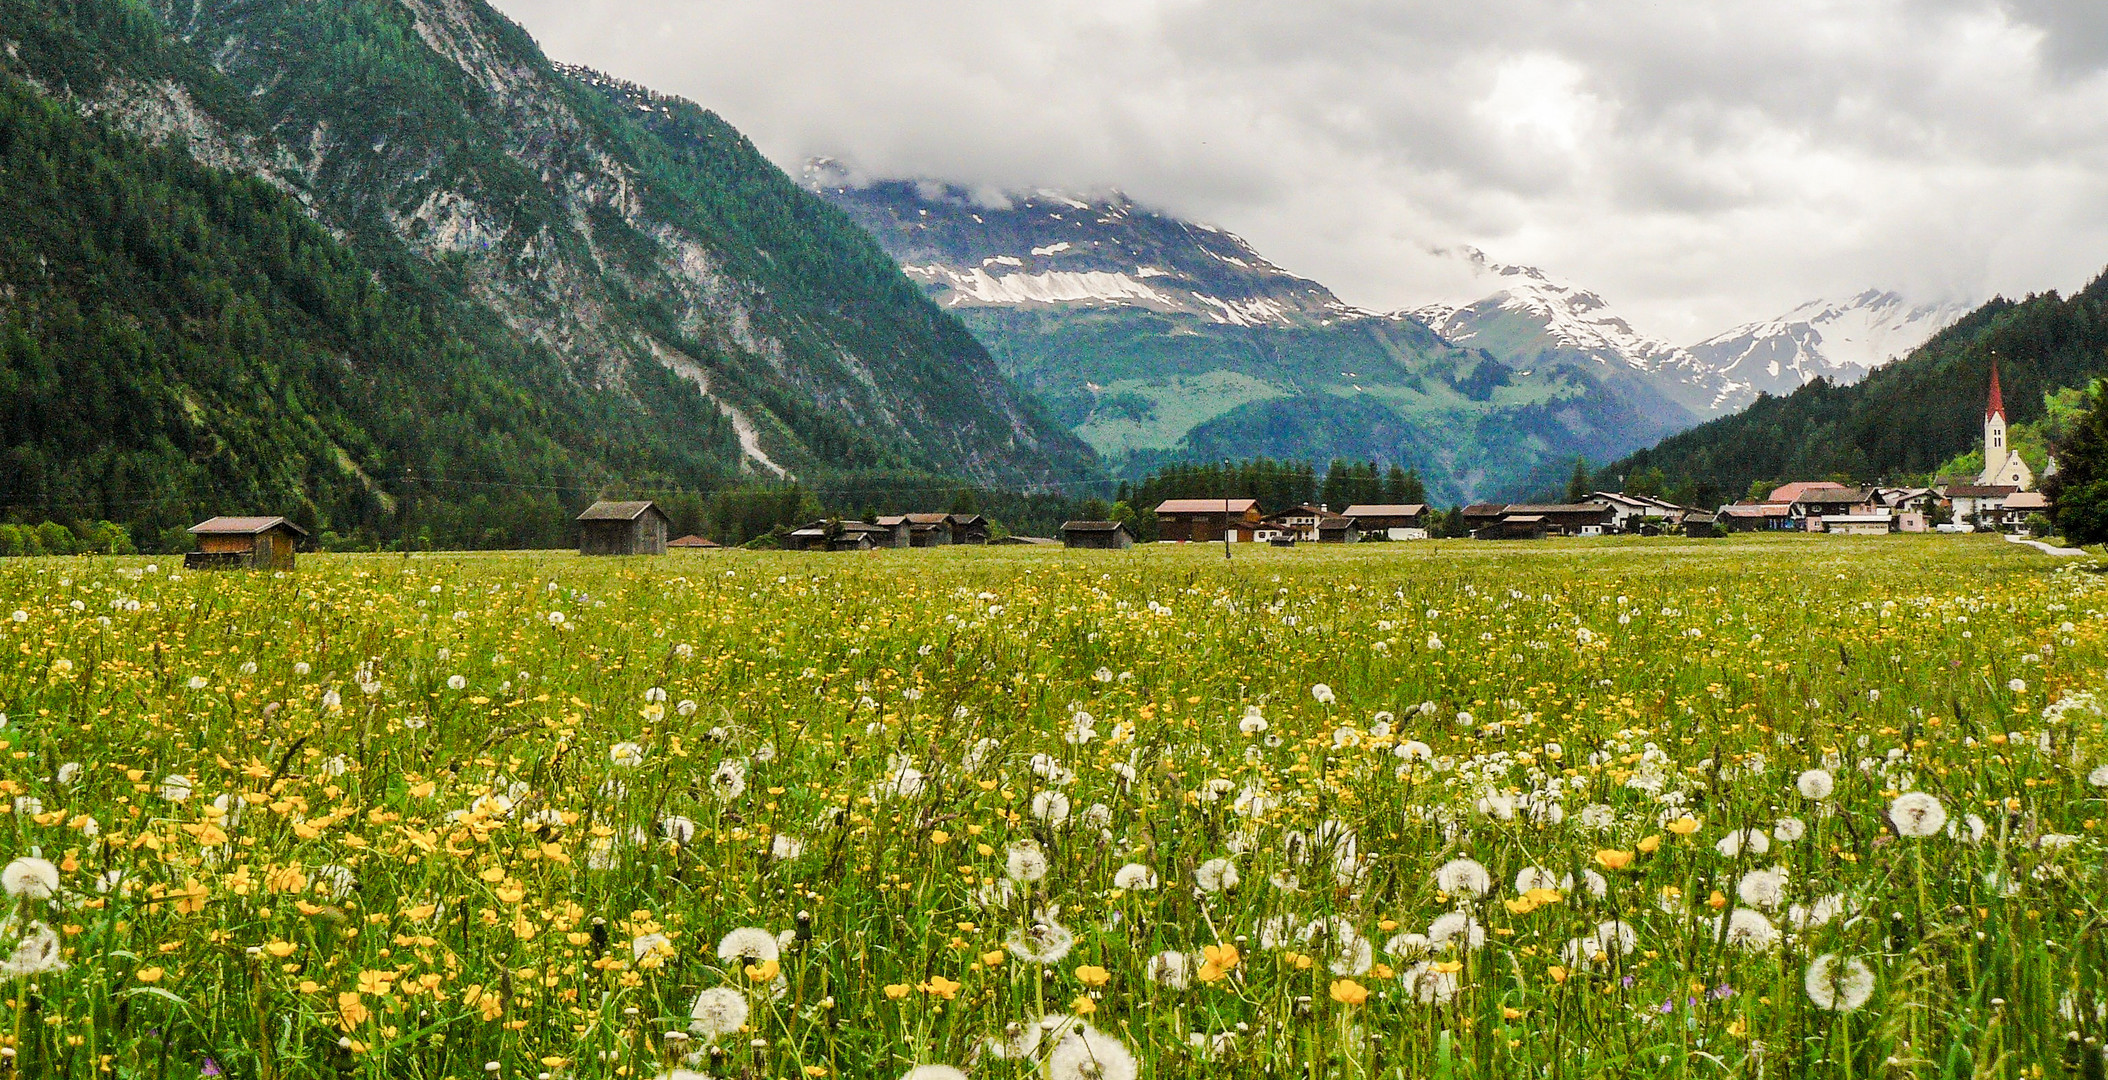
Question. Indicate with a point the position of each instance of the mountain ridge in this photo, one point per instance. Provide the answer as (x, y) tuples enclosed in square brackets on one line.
[(1157, 339)]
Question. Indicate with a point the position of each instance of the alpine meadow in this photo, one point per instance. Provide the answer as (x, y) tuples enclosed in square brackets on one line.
[(1765, 805)]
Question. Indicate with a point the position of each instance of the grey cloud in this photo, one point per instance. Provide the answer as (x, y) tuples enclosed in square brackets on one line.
[(1699, 162)]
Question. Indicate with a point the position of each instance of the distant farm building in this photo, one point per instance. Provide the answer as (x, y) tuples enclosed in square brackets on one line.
[(1104, 535), (1405, 521), (694, 543), (244, 543), (1206, 520), (622, 528)]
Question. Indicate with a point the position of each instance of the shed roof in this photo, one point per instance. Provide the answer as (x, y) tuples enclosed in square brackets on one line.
[(1386, 510), (1754, 510), (243, 526), (605, 510), (1832, 496), (1205, 506), (693, 542), (1980, 491), (1092, 526), (2027, 500)]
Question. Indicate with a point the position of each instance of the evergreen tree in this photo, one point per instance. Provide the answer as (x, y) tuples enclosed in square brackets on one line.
[(1577, 485), (2079, 492)]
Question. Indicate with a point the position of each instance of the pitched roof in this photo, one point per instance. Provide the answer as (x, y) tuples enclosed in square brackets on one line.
[(1979, 491), (693, 542), (1791, 493), (243, 526), (606, 510), (1092, 526), (1386, 510), (928, 519), (1560, 508), (1755, 510), (1997, 405), (1485, 510), (1204, 506), (2027, 500), (1832, 496)]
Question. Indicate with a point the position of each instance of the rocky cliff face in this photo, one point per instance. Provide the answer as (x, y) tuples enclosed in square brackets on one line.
[(612, 226)]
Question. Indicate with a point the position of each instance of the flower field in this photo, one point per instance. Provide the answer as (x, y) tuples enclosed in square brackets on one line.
[(1754, 807)]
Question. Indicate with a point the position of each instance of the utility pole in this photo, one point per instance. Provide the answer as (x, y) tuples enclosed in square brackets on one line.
[(1225, 508)]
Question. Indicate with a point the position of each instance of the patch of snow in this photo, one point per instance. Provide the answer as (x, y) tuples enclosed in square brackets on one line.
[(1004, 260), (1052, 287), (1150, 272), (1052, 249)]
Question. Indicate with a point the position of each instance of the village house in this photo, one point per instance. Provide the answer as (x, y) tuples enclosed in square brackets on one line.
[(2019, 507), (1205, 520), (1390, 521), (622, 528), (1818, 504), (1300, 523), (1755, 517), (1854, 524), (1641, 514), (1102, 535), (1530, 522), (245, 543), (1978, 506)]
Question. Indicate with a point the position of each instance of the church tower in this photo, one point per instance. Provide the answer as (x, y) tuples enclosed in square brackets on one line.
[(2002, 466)]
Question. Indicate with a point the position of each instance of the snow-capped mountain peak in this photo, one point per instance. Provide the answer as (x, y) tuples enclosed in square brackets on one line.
[(1838, 339), (1531, 309)]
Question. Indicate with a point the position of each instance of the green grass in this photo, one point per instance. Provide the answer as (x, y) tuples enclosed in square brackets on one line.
[(451, 863)]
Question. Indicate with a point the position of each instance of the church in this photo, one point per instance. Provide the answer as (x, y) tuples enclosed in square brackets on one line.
[(2002, 464)]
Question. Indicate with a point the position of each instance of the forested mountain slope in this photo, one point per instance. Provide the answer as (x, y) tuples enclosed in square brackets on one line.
[(1907, 417), (560, 289)]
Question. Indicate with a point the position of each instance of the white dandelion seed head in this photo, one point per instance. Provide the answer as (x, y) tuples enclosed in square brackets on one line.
[(626, 755), (1816, 784), (678, 829), (1750, 841), (1763, 889), (1135, 877), (1086, 1053), (31, 877), (36, 952), (1025, 861), (1044, 941), (1838, 984), (718, 1011), (1215, 875), (1917, 814), (1463, 877), (750, 943), (1789, 829), (1750, 931), (1322, 693), (1172, 969), (1051, 807), (1456, 929)]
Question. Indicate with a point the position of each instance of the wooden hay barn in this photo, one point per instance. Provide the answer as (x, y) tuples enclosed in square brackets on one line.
[(1102, 535), (622, 528), (244, 543)]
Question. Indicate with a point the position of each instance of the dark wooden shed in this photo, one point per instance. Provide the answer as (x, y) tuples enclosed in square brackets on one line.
[(244, 543), (622, 528), (1103, 535)]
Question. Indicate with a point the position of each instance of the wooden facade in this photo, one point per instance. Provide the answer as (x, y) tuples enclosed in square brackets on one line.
[(1206, 520), (244, 543), (1100, 535), (622, 528)]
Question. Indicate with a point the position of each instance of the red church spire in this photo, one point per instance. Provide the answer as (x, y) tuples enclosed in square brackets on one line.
[(1997, 407)]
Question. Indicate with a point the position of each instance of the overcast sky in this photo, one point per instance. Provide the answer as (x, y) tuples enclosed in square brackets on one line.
[(1697, 162)]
